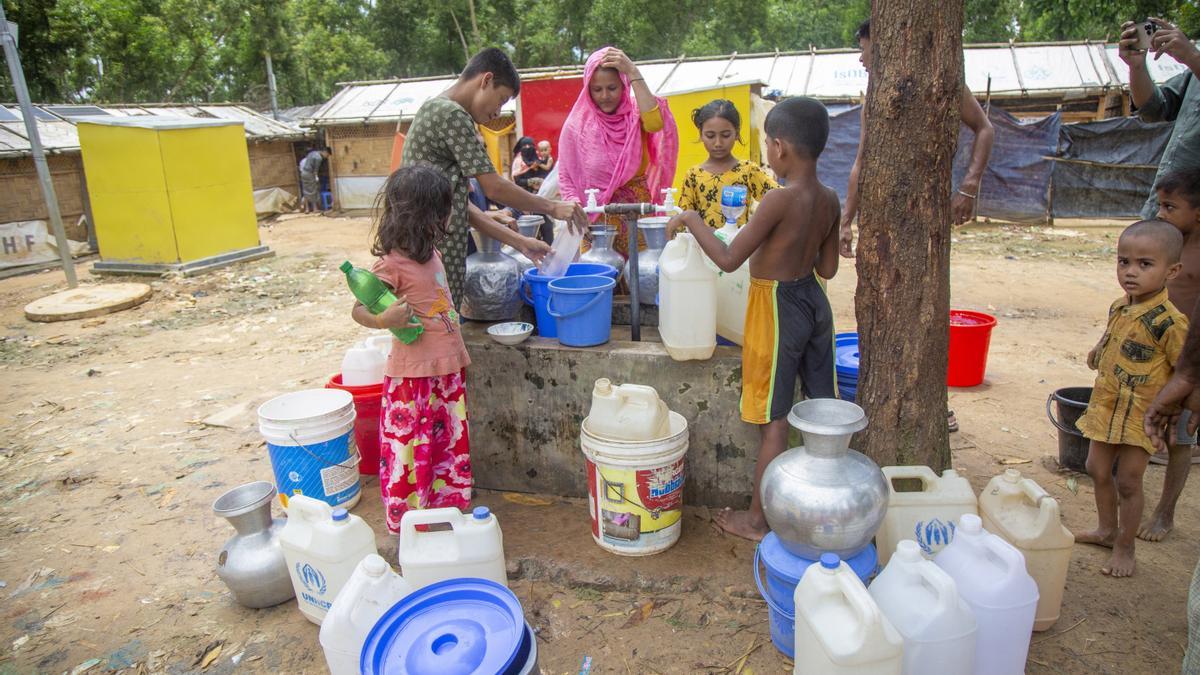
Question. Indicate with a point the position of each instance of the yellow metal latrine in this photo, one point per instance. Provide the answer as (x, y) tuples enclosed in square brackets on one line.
[(169, 193)]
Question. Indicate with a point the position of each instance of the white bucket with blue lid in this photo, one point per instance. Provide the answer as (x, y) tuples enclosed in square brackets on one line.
[(454, 627), (310, 439)]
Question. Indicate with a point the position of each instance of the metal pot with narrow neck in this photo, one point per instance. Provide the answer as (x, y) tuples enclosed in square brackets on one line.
[(602, 250), (823, 497), (654, 231), (251, 563), (492, 283), (528, 226)]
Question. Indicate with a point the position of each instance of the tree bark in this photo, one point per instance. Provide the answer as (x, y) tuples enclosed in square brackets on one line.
[(903, 298)]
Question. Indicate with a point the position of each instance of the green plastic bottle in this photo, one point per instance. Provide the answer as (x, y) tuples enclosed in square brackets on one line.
[(376, 297)]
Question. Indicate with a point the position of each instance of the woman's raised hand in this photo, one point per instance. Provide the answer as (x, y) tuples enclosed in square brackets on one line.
[(615, 58)]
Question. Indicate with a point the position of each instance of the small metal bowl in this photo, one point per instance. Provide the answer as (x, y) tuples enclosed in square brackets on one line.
[(510, 333)]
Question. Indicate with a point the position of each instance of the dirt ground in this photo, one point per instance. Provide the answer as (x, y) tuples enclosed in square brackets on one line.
[(107, 476)]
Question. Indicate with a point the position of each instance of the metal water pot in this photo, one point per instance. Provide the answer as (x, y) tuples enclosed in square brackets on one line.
[(654, 231), (823, 497), (602, 248), (492, 284), (251, 563), (528, 226)]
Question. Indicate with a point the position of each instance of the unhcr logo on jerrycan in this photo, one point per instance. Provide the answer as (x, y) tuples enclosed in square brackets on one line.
[(933, 535)]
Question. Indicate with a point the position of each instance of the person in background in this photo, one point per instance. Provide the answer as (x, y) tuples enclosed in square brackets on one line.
[(1180, 394), (310, 183), (962, 202), (1178, 195), (1134, 359), (625, 146), (524, 161), (718, 124), (443, 135), (1177, 100), (790, 239), (424, 441)]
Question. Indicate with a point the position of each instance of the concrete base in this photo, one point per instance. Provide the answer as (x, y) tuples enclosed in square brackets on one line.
[(187, 269), (526, 404)]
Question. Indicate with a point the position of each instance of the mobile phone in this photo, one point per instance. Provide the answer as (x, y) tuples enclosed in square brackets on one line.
[(1145, 30)]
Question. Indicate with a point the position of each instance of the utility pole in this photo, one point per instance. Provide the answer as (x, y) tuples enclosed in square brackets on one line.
[(9, 41), (271, 86)]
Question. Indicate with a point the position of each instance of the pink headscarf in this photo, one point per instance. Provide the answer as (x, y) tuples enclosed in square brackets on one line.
[(603, 151)]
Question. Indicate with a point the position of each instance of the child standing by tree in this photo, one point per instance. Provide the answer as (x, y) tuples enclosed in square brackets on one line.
[(718, 123), (1134, 359), (789, 325), (424, 458)]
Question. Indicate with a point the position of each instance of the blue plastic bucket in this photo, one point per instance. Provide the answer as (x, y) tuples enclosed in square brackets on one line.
[(535, 292), (784, 571), (846, 364), (453, 626), (310, 439), (582, 306)]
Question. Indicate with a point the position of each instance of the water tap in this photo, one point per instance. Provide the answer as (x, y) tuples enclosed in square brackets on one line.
[(668, 202), (592, 207)]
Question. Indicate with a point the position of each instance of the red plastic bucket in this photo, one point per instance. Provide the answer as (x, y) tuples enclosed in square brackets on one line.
[(368, 401), (970, 336)]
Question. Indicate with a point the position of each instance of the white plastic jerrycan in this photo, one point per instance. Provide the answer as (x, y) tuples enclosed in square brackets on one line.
[(991, 578), (687, 300), (382, 342), (839, 628), (363, 365), (927, 516), (1024, 515), (373, 589), (472, 547), (322, 546), (627, 412), (733, 293), (923, 603)]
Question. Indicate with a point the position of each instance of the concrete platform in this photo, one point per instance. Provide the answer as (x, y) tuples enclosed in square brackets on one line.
[(527, 403)]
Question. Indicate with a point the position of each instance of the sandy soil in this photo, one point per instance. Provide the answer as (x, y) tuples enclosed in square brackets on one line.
[(107, 541)]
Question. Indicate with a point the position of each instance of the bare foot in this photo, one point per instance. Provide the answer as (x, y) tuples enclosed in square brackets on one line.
[(741, 524), (1121, 564), (1156, 528), (1103, 538)]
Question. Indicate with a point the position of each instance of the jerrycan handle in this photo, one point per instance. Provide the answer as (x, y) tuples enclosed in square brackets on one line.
[(1006, 553), (308, 509), (861, 604), (920, 472), (411, 519), (1047, 506), (639, 395), (944, 589)]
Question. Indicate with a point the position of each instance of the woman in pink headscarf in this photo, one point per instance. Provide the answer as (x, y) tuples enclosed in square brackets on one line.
[(624, 146)]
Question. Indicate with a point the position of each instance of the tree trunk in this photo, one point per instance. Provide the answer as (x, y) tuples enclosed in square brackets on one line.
[(903, 299)]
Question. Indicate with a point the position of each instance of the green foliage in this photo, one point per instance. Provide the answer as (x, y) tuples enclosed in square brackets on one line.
[(205, 50)]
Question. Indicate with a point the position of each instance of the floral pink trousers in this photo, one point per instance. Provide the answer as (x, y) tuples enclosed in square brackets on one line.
[(424, 457)]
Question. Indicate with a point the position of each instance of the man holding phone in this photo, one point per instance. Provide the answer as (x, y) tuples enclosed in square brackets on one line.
[(1178, 99)]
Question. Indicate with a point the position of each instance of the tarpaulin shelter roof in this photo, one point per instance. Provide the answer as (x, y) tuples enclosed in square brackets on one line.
[(1066, 70), (56, 123)]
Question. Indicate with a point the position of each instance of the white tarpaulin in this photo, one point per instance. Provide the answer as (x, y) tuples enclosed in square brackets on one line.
[(273, 200), (358, 192), (28, 242)]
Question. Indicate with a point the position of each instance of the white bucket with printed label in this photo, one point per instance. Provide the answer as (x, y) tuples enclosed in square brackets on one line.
[(310, 438)]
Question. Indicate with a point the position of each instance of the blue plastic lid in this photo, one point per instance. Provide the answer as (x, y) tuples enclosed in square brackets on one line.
[(830, 561), (340, 514), (452, 627), (790, 567), (481, 512)]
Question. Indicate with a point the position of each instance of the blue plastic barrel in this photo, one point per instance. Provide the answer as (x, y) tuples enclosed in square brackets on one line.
[(582, 306), (535, 291), (846, 365), (784, 570)]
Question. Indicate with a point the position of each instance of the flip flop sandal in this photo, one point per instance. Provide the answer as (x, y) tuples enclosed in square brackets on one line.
[(951, 421)]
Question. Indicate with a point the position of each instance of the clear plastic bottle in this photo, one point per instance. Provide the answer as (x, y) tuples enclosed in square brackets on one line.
[(376, 297)]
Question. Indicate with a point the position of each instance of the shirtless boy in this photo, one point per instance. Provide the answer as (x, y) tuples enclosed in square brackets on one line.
[(789, 324), (1178, 204)]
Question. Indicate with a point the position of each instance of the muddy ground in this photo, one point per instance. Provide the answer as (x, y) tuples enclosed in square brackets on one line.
[(107, 476)]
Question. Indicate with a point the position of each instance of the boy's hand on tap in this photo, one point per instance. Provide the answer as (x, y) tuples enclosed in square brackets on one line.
[(571, 212)]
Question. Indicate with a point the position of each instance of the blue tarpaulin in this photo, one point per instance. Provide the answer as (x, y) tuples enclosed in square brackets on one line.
[(1106, 168)]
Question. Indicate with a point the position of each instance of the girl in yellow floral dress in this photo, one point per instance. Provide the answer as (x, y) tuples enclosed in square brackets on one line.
[(718, 123)]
